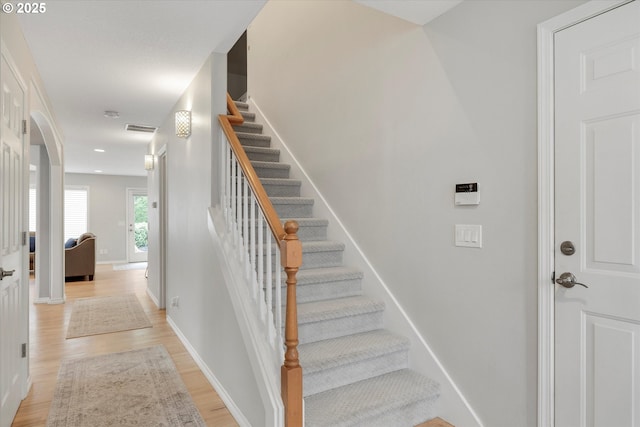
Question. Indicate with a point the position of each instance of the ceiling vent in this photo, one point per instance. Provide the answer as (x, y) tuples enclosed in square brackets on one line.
[(140, 128)]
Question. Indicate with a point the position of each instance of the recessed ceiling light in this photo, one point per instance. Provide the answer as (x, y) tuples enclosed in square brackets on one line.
[(97, 171), (111, 114), (98, 150)]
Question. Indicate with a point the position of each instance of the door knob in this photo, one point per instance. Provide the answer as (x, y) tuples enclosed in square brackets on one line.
[(5, 273), (568, 280)]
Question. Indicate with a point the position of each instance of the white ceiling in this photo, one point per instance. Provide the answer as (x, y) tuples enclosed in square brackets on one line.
[(134, 57), (137, 57)]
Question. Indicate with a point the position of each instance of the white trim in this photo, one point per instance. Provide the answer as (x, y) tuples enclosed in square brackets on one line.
[(229, 403), (454, 407), (546, 244), (153, 298), (46, 114)]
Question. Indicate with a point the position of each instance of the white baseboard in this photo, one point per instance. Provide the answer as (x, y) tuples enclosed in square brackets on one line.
[(154, 299), (41, 300), (228, 401)]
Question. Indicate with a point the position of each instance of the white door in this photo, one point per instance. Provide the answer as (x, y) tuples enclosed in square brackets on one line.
[(11, 248), (137, 220), (597, 199)]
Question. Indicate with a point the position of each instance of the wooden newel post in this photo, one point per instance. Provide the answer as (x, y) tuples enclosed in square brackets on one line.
[(291, 371)]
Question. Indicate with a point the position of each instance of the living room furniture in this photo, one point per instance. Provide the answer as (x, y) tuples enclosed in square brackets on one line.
[(80, 259)]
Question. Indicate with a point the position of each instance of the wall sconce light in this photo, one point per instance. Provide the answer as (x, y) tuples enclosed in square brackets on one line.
[(183, 123), (149, 162)]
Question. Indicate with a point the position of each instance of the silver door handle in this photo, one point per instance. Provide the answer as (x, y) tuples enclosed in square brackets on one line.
[(5, 273), (568, 280)]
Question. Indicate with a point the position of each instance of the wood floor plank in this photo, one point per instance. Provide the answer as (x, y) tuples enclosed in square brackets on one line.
[(48, 347)]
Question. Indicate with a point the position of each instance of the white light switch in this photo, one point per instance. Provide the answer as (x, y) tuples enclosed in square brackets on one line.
[(469, 236)]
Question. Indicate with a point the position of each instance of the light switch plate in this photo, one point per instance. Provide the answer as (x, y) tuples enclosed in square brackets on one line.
[(468, 235)]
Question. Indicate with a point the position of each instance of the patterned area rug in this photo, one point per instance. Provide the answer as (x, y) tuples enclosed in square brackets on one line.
[(135, 388), (103, 315)]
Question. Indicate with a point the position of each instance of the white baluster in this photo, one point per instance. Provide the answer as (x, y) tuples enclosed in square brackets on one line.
[(278, 306), (232, 206), (269, 284), (238, 204), (245, 229), (261, 265), (254, 225)]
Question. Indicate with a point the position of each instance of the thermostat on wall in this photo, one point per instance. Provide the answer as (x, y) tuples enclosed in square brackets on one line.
[(467, 194)]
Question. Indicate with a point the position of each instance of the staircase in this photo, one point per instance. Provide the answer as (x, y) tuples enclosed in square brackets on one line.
[(355, 372)]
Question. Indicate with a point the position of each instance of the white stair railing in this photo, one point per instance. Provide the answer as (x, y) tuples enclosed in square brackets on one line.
[(265, 248)]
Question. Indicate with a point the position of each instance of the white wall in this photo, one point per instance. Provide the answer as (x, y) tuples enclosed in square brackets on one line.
[(386, 117), (108, 211), (205, 316)]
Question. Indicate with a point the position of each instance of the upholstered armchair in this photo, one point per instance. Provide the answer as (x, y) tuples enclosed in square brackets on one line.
[(80, 259)]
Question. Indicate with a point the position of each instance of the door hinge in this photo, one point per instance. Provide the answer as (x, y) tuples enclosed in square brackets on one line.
[(553, 277), (24, 238), (24, 127), (24, 350)]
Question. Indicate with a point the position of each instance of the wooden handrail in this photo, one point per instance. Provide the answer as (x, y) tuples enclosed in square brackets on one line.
[(234, 116), (252, 178), (290, 259)]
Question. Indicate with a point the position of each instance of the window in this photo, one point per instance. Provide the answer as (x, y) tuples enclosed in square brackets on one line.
[(76, 211)]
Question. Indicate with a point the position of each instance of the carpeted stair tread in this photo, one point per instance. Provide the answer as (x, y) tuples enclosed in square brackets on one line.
[(291, 201), (336, 308), (269, 165), (330, 274), (241, 105), (328, 354), (247, 116), (310, 228), (320, 284), (318, 253), (293, 207), (263, 154), (322, 246), (271, 169), (333, 318), (281, 187), (401, 398), (254, 139), (340, 361), (248, 127)]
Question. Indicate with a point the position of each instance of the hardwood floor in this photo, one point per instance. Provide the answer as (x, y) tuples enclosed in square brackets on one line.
[(48, 347)]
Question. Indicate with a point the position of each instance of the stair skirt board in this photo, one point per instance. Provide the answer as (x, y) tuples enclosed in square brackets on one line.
[(355, 372)]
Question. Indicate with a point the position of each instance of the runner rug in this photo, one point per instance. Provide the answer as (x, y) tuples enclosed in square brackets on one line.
[(135, 388), (103, 315)]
